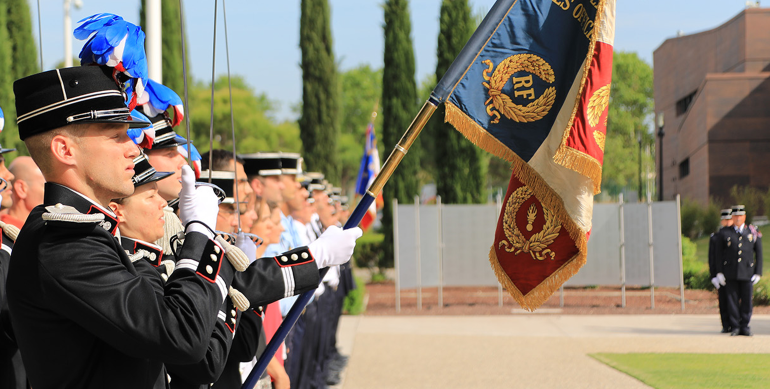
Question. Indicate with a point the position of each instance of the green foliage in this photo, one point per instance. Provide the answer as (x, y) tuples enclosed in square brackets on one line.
[(369, 253), (9, 138), (255, 128), (399, 99), (171, 45), (750, 197), (695, 273), (361, 89), (18, 58), (319, 122), (630, 110), (24, 52), (460, 169), (693, 371), (762, 292), (354, 301), (698, 220)]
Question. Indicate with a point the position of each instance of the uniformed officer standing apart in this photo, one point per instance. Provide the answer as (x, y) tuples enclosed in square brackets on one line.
[(725, 222), (739, 267)]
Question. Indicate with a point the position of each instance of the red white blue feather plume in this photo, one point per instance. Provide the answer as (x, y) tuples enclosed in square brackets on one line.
[(158, 98), (143, 137), (116, 43), (195, 157), (2, 120)]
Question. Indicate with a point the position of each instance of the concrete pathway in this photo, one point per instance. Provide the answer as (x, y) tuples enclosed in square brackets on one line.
[(522, 351)]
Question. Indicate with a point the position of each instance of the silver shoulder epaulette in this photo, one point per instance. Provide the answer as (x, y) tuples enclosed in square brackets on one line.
[(66, 213)]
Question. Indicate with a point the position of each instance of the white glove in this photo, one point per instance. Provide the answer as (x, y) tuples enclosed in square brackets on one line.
[(247, 246), (755, 278), (715, 281), (199, 204), (319, 290), (334, 246), (721, 278)]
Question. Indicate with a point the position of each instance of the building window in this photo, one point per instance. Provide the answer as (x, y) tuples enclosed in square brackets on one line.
[(684, 103), (684, 168)]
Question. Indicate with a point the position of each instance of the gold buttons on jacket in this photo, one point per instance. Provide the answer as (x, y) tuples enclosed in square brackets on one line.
[(213, 257), (284, 258), (294, 257), (209, 269), (304, 255)]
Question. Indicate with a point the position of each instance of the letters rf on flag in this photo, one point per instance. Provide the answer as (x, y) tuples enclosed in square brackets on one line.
[(534, 90), (370, 167)]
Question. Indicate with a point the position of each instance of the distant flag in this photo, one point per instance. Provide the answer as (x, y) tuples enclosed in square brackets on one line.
[(532, 86), (2, 120), (118, 44), (370, 167), (195, 157)]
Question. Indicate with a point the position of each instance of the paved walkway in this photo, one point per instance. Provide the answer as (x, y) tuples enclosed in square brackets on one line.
[(522, 351)]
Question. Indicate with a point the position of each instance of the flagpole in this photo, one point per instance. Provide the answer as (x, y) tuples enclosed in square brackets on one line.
[(382, 178)]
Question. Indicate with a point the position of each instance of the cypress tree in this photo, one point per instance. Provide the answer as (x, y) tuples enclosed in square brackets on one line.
[(23, 49), (171, 43), (399, 106), (318, 123), (460, 177)]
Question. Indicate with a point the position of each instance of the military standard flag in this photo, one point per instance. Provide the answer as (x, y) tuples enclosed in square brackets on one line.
[(370, 167), (532, 86)]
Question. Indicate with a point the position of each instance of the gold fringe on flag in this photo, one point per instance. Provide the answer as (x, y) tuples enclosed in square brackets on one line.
[(547, 197)]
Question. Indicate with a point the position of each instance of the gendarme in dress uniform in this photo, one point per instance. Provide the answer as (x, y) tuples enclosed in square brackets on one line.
[(84, 317)]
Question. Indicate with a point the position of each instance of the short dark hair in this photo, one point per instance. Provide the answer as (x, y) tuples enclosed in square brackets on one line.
[(220, 160)]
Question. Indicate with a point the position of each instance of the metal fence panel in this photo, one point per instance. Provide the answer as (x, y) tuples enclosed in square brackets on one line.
[(469, 232), (429, 245), (603, 262), (666, 243), (407, 245), (637, 246)]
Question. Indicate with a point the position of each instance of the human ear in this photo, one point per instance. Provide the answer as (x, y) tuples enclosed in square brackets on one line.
[(63, 150), (118, 211)]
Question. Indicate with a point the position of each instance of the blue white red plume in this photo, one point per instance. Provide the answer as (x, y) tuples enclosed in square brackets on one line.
[(196, 156), (158, 98), (2, 120), (118, 44), (143, 137)]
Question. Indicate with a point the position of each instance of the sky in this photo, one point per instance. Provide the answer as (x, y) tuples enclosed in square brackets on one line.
[(264, 35)]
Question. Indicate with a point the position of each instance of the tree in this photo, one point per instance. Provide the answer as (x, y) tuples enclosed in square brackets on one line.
[(318, 123), (24, 51), (171, 45), (9, 138), (460, 174), (360, 90), (255, 128), (630, 112), (399, 99)]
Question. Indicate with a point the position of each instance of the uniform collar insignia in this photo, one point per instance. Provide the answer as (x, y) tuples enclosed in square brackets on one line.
[(152, 253), (110, 223)]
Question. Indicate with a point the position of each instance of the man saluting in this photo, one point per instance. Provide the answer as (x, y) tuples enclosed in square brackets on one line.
[(83, 316)]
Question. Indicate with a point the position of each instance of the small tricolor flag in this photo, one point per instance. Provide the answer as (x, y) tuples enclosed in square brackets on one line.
[(532, 86), (370, 167)]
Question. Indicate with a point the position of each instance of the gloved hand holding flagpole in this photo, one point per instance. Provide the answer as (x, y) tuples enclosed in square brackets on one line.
[(561, 51)]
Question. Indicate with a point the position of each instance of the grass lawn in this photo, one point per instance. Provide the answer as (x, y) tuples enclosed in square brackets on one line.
[(693, 371)]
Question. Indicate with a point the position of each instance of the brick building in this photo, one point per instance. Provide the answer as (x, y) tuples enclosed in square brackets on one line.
[(713, 89)]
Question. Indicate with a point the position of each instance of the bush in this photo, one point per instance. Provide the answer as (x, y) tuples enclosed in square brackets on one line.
[(354, 301), (694, 272), (750, 197), (698, 220), (762, 292), (370, 252)]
